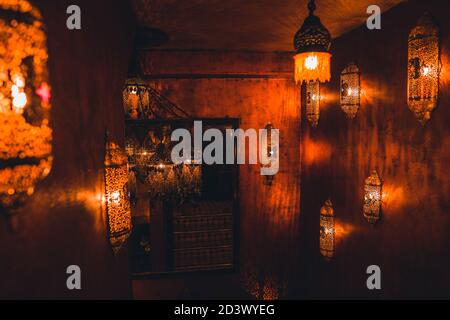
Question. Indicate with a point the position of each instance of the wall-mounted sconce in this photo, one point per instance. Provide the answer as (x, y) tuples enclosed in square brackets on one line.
[(312, 44), (372, 198), (25, 134), (423, 68), (271, 153), (327, 230), (118, 207), (350, 90), (313, 102)]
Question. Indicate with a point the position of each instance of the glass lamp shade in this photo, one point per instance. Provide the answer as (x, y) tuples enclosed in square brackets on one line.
[(312, 66)]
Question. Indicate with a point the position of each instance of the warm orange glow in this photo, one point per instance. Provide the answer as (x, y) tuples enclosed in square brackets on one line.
[(343, 230), (312, 66), (393, 197), (316, 151), (444, 75), (375, 93)]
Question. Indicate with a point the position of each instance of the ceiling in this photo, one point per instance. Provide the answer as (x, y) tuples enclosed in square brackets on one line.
[(259, 25)]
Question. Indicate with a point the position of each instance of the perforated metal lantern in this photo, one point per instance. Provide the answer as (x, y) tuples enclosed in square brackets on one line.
[(312, 44), (327, 230), (25, 94), (136, 99), (372, 198), (312, 99), (271, 152), (350, 90), (423, 68), (117, 200)]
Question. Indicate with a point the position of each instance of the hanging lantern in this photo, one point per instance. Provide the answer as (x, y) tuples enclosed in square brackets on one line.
[(153, 166), (312, 44), (136, 99), (350, 90), (313, 102), (327, 231), (25, 134), (372, 198), (118, 207), (423, 68)]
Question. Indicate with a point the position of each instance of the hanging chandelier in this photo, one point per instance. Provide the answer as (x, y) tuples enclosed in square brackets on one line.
[(151, 162), (312, 44)]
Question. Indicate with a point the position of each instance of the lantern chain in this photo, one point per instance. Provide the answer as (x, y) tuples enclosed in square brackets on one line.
[(311, 7)]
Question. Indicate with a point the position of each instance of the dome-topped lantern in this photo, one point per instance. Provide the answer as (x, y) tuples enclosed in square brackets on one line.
[(312, 44)]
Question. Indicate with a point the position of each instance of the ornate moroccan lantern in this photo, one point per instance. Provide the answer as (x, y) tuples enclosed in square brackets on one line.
[(25, 134), (423, 68), (136, 98), (312, 44), (327, 230), (350, 90), (270, 154), (372, 198), (140, 101), (313, 102), (118, 207), (152, 163)]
